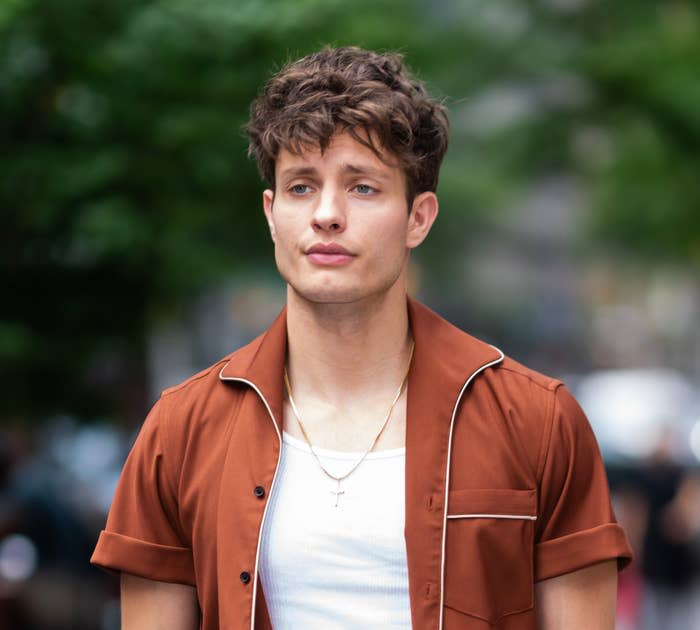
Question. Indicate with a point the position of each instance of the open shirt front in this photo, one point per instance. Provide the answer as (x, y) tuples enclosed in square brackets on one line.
[(505, 485)]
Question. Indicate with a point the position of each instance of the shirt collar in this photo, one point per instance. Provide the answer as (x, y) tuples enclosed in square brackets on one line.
[(444, 357)]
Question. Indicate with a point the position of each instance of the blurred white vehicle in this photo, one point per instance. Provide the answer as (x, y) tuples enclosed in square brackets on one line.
[(636, 413)]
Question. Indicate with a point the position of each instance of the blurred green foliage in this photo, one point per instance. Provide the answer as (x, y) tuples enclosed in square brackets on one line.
[(645, 67), (125, 186)]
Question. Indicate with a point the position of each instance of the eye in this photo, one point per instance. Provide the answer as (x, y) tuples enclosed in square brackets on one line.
[(365, 189), (299, 189)]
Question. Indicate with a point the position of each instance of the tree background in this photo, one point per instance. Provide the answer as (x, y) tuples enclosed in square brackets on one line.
[(126, 191)]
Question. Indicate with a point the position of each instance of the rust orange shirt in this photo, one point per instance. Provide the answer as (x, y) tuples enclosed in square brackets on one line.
[(505, 485)]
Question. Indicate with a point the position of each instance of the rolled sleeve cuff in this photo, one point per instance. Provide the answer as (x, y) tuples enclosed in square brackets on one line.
[(116, 552), (582, 549)]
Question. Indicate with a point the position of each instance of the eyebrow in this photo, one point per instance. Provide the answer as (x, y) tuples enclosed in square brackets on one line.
[(352, 169), (298, 171), (364, 170)]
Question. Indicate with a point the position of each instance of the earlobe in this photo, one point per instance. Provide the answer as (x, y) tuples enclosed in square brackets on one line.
[(424, 211), (268, 199)]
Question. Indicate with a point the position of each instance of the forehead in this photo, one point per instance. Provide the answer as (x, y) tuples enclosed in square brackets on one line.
[(343, 153)]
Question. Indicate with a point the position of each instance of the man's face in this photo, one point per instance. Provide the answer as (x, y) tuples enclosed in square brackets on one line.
[(340, 222)]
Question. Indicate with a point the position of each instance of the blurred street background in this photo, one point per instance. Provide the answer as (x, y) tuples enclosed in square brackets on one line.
[(133, 250)]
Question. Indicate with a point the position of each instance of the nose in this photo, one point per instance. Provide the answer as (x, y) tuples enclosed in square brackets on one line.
[(329, 212)]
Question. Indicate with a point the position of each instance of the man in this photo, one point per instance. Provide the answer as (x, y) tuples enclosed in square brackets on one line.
[(362, 464)]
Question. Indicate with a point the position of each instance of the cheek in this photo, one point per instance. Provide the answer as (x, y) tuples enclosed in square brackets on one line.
[(287, 234), (391, 232), (388, 244)]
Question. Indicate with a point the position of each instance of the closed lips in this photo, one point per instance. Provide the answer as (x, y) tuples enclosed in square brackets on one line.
[(329, 255), (328, 249)]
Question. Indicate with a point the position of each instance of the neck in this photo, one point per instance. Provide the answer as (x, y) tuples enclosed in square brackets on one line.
[(338, 350)]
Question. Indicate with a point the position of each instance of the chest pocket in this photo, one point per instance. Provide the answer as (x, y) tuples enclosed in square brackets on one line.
[(489, 552)]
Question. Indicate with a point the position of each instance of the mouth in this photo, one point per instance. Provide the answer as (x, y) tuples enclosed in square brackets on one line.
[(329, 255)]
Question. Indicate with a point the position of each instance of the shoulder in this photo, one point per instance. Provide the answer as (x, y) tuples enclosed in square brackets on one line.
[(202, 402), (203, 382), (520, 388), (192, 385), (453, 354), (521, 375), (540, 399), (515, 411)]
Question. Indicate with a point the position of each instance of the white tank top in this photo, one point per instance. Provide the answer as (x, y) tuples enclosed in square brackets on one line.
[(340, 567)]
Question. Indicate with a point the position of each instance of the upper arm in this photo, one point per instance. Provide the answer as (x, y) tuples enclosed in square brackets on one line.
[(575, 525), (145, 534), (152, 605), (579, 545), (582, 599)]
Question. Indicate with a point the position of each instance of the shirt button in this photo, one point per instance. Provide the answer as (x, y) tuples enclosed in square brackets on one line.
[(259, 492), (245, 577)]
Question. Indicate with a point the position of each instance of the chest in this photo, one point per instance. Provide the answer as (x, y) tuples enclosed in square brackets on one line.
[(444, 549), (353, 428), (345, 553)]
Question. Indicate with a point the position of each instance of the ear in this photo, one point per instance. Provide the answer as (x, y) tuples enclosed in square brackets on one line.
[(424, 211), (268, 198)]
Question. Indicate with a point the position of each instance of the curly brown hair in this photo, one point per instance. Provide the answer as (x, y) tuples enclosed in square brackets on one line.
[(372, 96)]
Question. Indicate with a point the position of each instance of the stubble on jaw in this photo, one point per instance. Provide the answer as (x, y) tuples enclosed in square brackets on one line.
[(337, 303), (320, 292)]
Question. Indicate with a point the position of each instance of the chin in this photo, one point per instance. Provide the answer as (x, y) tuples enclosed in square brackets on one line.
[(330, 295), (339, 290), (339, 295)]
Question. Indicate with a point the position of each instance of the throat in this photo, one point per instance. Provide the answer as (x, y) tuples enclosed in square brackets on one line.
[(338, 351)]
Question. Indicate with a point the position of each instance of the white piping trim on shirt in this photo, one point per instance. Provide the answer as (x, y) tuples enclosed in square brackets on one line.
[(520, 517), (447, 476), (267, 503)]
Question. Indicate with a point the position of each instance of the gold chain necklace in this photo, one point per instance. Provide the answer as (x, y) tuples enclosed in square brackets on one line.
[(340, 478)]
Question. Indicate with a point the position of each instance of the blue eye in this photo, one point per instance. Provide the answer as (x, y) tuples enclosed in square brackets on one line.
[(364, 189), (299, 189)]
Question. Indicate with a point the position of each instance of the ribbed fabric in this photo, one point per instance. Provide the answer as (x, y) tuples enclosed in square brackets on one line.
[(336, 567)]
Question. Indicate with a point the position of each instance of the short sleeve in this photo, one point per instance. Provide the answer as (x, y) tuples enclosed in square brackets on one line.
[(142, 535), (576, 526)]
